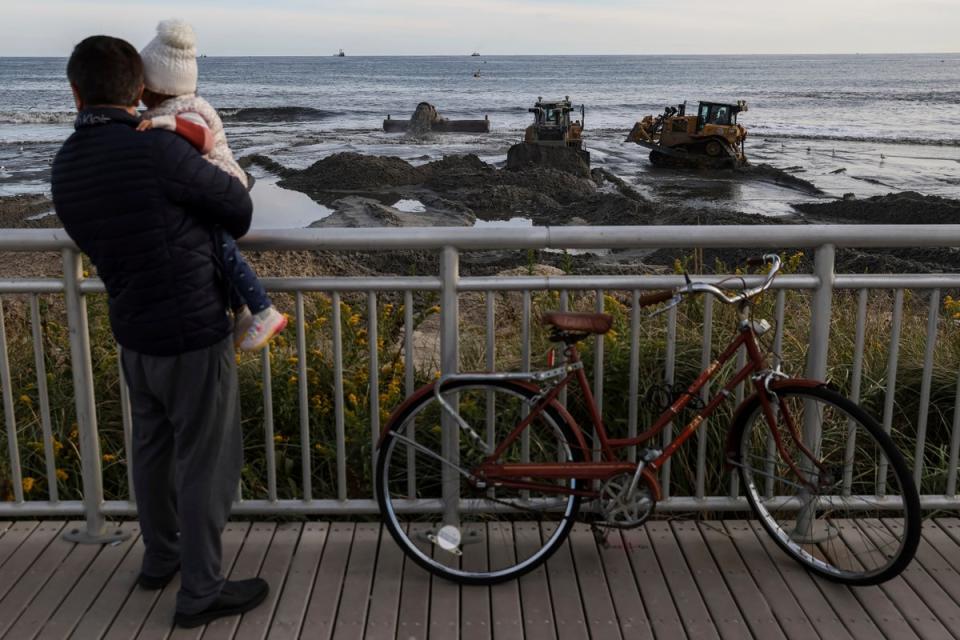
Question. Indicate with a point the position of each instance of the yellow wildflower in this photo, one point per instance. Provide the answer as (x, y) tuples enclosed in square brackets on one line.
[(292, 381), (354, 320), (352, 399), (434, 309), (25, 399), (388, 308), (57, 445), (293, 360), (109, 457), (62, 475), (28, 483), (280, 438)]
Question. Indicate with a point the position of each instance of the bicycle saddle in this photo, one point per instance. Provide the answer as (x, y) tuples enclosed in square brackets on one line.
[(579, 322)]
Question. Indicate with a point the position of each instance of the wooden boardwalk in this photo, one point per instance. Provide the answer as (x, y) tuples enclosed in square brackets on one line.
[(342, 580)]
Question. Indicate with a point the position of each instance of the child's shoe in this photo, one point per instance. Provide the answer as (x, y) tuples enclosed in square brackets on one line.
[(242, 320), (265, 325)]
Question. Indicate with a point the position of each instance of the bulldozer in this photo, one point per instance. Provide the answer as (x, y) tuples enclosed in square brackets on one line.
[(552, 139), (552, 126), (709, 139)]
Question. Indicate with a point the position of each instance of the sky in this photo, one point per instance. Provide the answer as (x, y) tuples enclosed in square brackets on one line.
[(456, 27)]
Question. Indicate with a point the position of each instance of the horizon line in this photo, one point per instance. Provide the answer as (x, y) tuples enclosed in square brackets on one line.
[(536, 55)]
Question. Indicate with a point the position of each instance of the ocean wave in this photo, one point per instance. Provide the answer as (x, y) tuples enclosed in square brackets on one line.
[(275, 114), (37, 117), (932, 142)]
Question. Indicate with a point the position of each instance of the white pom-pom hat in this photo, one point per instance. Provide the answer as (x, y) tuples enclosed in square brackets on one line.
[(170, 59)]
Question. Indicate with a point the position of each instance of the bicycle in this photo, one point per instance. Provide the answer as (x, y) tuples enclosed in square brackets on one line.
[(480, 476)]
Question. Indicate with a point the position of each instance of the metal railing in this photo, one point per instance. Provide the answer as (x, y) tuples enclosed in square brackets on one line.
[(823, 282)]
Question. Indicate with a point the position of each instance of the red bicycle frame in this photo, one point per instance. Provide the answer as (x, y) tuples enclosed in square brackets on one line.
[(522, 475)]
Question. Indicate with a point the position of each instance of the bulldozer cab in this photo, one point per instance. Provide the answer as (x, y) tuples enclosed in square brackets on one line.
[(718, 114), (551, 114), (552, 123)]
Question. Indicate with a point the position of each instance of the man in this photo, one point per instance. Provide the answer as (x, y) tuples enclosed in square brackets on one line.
[(143, 207)]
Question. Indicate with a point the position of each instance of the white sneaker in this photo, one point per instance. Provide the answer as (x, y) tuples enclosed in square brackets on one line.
[(241, 324), (265, 325)]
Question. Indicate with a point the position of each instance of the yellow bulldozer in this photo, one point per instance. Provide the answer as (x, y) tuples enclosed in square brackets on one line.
[(710, 139), (552, 126)]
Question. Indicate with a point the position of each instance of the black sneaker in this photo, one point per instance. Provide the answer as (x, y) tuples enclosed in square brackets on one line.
[(236, 597), (153, 583)]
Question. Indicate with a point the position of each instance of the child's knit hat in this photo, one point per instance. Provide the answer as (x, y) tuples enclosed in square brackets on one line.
[(170, 59)]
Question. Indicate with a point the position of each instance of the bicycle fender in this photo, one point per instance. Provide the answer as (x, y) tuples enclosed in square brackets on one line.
[(730, 449), (414, 397)]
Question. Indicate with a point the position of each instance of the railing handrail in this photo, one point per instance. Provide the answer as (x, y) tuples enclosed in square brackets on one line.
[(574, 237)]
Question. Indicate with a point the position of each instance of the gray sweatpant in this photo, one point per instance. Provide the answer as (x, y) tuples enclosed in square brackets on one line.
[(187, 454)]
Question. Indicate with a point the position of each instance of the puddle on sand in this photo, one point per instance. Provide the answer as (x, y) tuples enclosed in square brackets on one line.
[(277, 208)]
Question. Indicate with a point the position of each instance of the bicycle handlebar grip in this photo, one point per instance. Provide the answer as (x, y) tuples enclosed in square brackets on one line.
[(653, 298), (756, 261)]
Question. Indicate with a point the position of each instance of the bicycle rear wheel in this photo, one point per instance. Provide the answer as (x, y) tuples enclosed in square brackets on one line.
[(849, 513), (456, 530)]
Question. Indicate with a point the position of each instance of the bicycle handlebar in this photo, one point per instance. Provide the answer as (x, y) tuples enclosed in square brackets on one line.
[(702, 287)]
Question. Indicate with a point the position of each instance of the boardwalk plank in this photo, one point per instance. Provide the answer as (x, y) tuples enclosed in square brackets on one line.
[(247, 565), (661, 612), (355, 595), (292, 605), (85, 591), (255, 624), (475, 601), (787, 604), (414, 614), (505, 611), (88, 591), (32, 582), (753, 605), (13, 537), (686, 595), (385, 599), (444, 600), (914, 609), (624, 592), (27, 553), (565, 591), (71, 589), (923, 603), (98, 618), (325, 600), (726, 615), (811, 591), (597, 600), (538, 620)]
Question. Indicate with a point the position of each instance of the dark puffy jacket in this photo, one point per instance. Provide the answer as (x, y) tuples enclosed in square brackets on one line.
[(143, 206)]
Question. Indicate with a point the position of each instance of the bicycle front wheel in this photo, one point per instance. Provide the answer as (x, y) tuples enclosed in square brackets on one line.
[(436, 513), (829, 485)]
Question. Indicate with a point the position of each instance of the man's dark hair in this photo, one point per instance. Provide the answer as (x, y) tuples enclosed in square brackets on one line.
[(106, 70)]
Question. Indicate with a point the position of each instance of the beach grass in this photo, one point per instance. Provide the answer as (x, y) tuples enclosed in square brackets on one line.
[(288, 447)]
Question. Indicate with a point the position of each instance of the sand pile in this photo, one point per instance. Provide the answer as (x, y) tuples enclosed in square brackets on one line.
[(351, 171), (908, 207)]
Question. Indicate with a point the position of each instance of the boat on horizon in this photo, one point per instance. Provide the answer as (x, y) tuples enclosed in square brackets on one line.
[(474, 55), (341, 54)]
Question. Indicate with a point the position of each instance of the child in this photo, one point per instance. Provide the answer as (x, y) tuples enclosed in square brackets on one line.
[(170, 79)]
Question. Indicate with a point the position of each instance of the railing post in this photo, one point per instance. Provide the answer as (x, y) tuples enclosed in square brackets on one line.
[(821, 309), (96, 531), (449, 364)]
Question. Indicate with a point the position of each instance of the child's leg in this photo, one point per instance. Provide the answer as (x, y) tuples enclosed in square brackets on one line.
[(241, 276)]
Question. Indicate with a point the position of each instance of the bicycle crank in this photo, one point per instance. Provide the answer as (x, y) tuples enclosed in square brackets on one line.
[(621, 508)]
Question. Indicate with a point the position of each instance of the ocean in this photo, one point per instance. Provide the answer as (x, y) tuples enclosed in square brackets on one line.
[(891, 122)]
